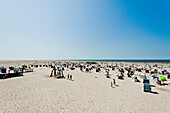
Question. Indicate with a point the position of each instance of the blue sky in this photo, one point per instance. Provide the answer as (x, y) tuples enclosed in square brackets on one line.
[(54, 29)]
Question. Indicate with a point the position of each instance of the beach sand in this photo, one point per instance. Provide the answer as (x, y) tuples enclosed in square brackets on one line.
[(86, 93)]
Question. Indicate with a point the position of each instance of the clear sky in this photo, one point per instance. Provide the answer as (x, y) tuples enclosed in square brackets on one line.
[(54, 29)]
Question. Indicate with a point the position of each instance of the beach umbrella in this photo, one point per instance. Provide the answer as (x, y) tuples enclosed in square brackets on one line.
[(168, 66), (162, 78)]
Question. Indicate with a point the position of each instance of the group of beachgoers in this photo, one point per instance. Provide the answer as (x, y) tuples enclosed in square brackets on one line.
[(69, 77), (13, 71), (132, 71), (159, 74)]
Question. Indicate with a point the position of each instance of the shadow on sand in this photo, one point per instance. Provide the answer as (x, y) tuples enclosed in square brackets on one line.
[(117, 85), (152, 85), (153, 92), (13, 76), (70, 80)]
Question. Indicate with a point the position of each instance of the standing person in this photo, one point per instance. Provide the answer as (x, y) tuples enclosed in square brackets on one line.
[(111, 84), (114, 82), (81, 68), (67, 67), (54, 71), (62, 73), (128, 74), (51, 73), (68, 76)]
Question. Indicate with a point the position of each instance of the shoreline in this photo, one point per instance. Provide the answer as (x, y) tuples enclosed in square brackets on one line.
[(99, 60)]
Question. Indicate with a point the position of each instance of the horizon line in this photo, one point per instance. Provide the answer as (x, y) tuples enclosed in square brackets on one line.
[(87, 59)]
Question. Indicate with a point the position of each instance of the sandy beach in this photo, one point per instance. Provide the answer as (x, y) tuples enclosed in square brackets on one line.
[(88, 92), (84, 56)]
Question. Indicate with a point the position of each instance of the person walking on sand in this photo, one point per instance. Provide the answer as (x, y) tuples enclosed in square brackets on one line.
[(111, 84), (114, 82)]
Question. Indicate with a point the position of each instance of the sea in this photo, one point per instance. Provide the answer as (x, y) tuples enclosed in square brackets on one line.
[(120, 60)]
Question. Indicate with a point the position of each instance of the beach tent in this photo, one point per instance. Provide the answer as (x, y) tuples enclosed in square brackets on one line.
[(155, 70), (133, 76), (153, 75), (145, 80), (97, 69), (147, 87), (163, 72), (168, 66), (168, 76), (126, 67), (152, 71), (113, 68), (93, 66), (147, 71), (139, 69), (142, 75), (3, 70), (162, 78)]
